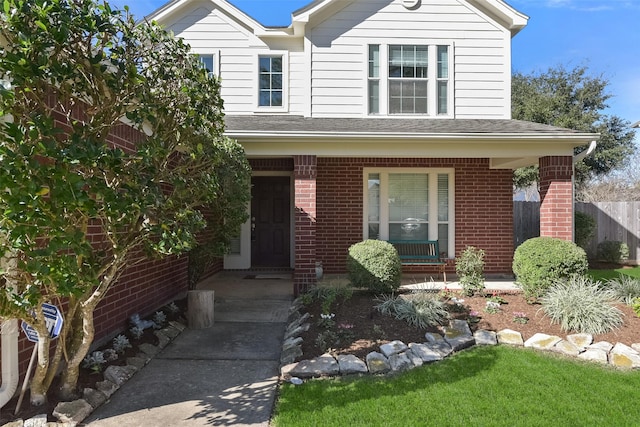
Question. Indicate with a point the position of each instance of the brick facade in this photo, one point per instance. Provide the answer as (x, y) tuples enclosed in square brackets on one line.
[(556, 195), (304, 174), (483, 208)]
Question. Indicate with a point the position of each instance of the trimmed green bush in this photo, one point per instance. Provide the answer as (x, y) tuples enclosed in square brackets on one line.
[(613, 251), (540, 262), (585, 227), (582, 305), (375, 265), (470, 270)]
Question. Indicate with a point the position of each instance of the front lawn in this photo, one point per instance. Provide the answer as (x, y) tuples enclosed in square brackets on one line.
[(604, 275), (492, 386)]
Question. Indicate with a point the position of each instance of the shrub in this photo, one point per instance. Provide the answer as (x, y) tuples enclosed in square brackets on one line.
[(422, 312), (582, 305), (470, 269), (541, 261), (374, 264), (613, 251), (636, 306), (585, 227), (327, 295), (625, 288)]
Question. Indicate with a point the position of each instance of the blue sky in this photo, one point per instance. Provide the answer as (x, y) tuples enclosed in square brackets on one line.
[(601, 34)]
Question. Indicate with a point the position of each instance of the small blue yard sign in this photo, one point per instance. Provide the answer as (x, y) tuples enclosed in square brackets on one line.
[(52, 317)]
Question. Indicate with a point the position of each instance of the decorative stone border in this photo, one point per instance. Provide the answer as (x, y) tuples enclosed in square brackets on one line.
[(72, 413), (397, 356)]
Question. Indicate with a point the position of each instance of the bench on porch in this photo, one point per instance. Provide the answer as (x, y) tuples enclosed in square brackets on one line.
[(420, 252)]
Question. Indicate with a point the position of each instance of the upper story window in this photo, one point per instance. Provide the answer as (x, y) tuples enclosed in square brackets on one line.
[(414, 81), (209, 62), (270, 81)]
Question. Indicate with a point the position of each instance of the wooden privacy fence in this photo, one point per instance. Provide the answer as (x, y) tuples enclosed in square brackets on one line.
[(618, 221)]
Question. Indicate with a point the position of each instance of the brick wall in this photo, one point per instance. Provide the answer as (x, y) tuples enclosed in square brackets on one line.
[(556, 195), (483, 204), (304, 173)]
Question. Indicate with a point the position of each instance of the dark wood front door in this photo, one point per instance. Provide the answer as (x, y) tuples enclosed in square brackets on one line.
[(270, 221)]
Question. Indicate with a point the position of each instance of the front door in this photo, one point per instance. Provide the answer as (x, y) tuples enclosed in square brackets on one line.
[(270, 221)]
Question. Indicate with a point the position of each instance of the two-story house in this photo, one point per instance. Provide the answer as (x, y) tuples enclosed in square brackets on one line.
[(377, 119)]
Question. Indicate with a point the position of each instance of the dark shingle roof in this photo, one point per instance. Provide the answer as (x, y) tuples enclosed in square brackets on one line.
[(283, 124)]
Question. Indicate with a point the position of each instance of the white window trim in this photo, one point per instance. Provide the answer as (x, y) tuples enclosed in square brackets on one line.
[(216, 59), (433, 207), (285, 82), (432, 78)]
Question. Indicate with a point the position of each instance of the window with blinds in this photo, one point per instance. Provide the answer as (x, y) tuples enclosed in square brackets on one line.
[(410, 204)]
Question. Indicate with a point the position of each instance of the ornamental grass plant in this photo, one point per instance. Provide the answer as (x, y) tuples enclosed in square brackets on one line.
[(582, 305)]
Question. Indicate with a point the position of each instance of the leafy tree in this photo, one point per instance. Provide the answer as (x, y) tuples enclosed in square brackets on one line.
[(572, 99), (72, 72)]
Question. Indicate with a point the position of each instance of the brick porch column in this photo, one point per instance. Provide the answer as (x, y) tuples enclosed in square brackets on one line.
[(556, 195), (304, 172)]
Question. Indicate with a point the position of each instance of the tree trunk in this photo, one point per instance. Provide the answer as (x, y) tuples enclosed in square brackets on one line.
[(38, 386), (200, 309), (79, 344)]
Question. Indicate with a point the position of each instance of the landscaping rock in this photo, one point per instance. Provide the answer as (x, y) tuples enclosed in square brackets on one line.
[(425, 352), (149, 349), (297, 331), (484, 337), (542, 341), (119, 374), (567, 348), (107, 387), (324, 365), (137, 362), (582, 341), (510, 337), (350, 364), (400, 362), (441, 347), (93, 397), (458, 335), (39, 420), (433, 337), (394, 347), (636, 347), (298, 322), (290, 355), (171, 331), (291, 342), (415, 360), (624, 356), (163, 339), (177, 325), (602, 345), (18, 422), (377, 363), (594, 355), (72, 412)]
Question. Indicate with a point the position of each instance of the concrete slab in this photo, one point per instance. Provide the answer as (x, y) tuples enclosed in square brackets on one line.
[(245, 310), (228, 341), (193, 393)]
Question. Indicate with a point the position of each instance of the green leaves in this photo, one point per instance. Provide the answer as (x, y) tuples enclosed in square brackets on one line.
[(572, 99)]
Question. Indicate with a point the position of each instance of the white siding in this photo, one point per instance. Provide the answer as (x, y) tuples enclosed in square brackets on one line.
[(481, 54), (208, 29)]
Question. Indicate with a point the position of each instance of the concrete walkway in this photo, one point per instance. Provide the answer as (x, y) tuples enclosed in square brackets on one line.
[(222, 376)]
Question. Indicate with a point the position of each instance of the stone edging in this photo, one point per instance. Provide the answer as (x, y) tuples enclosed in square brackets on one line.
[(397, 356), (71, 413)]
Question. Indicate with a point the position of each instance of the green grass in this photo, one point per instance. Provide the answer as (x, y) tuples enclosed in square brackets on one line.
[(604, 275), (486, 386)]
